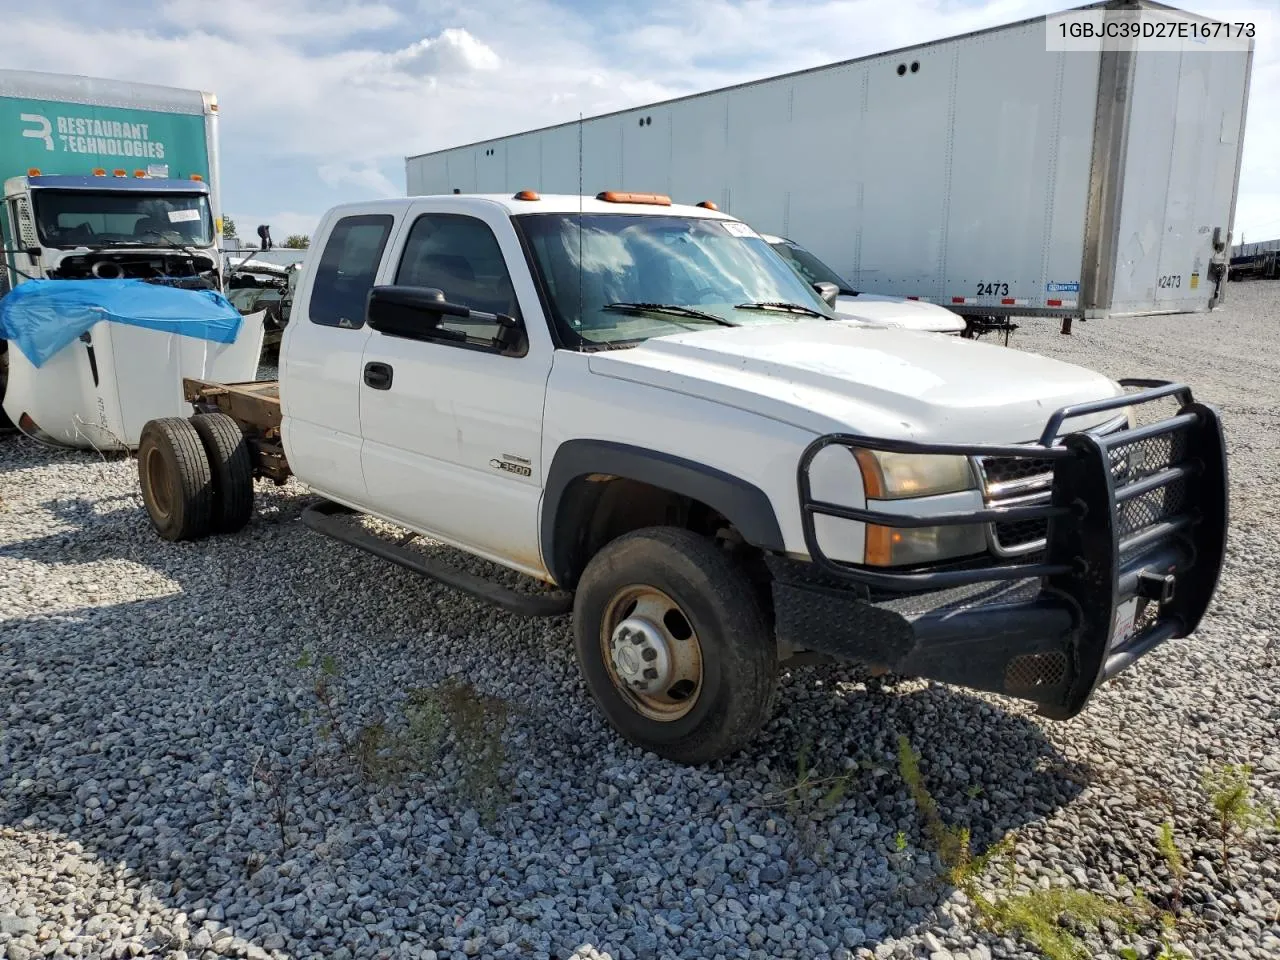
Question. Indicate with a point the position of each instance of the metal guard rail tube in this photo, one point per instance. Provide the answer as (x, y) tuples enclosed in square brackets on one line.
[(1155, 390), (1120, 528)]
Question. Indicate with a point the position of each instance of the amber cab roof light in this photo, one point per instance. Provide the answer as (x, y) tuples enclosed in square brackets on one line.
[(616, 196), (527, 195), (708, 205)]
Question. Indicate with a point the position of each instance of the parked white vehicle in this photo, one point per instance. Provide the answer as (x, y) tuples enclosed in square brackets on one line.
[(644, 407), (858, 305)]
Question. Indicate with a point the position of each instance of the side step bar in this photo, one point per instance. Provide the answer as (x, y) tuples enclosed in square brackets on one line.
[(327, 518)]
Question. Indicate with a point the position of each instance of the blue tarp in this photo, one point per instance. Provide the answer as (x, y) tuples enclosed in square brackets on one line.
[(43, 316)]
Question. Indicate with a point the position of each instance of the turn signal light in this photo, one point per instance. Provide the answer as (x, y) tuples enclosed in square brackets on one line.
[(527, 195), (616, 196)]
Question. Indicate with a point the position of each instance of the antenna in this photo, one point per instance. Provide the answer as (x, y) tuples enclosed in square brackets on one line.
[(581, 292)]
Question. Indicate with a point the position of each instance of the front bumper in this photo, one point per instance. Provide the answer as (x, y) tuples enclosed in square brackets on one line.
[(1137, 526)]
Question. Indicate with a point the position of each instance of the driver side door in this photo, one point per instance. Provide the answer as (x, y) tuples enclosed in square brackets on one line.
[(453, 431)]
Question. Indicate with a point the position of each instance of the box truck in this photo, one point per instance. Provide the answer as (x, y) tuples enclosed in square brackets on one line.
[(982, 172), (107, 181)]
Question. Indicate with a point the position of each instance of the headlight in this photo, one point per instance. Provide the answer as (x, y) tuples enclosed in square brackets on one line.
[(894, 476), (897, 476)]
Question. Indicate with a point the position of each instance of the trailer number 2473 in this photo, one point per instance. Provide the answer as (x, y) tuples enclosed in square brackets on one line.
[(1171, 282), (996, 289)]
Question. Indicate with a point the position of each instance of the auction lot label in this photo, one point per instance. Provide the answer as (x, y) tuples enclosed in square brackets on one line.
[(1150, 29)]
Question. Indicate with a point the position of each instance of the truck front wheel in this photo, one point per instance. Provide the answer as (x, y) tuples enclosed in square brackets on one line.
[(673, 645)]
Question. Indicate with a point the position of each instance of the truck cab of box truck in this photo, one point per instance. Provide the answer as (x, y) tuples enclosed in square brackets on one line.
[(110, 225), (106, 225)]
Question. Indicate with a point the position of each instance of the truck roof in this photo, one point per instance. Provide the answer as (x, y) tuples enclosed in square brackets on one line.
[(100, 92), (547, 203), (138, 184)]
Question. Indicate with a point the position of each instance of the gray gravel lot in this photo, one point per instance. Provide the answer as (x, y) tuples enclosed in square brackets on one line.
[(156, 728)]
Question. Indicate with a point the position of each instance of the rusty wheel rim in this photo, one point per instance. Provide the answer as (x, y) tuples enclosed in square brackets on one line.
[(651, 652), (158, 484)]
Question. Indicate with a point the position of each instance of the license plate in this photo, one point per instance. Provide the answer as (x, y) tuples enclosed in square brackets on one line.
[(1122, 627)]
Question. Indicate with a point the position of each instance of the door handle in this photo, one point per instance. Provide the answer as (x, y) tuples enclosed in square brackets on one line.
[(378, 375)]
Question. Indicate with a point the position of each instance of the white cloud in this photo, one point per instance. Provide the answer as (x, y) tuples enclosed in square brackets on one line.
[(453, 51), (362, 175), (246, 19)]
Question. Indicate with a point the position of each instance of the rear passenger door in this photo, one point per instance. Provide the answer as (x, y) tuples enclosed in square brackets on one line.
[(452, 430), (321, 353)]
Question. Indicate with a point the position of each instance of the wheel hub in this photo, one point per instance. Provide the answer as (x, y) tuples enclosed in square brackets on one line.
[(641, 655)]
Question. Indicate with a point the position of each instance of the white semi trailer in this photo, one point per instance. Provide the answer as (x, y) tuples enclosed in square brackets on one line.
[(983, 172)]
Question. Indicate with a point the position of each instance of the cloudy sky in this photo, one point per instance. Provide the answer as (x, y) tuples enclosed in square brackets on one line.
[(321, 100)]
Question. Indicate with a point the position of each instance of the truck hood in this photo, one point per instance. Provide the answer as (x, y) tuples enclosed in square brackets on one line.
[(897, 312), (892, 384)]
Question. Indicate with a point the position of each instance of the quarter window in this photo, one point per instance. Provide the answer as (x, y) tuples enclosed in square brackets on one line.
[(347, 270)]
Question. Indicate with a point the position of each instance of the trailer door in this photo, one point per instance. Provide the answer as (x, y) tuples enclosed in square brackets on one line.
[(1182, 163)]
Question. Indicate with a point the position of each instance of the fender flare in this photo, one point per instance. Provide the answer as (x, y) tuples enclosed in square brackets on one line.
[(743, 504)]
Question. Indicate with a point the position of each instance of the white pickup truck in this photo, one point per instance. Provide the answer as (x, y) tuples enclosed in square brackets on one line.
[(642, 406)]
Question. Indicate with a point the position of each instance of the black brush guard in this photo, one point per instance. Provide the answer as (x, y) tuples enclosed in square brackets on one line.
[(1141, 513)]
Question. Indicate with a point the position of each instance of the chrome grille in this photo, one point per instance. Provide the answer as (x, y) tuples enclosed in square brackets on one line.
[(1025, 481)]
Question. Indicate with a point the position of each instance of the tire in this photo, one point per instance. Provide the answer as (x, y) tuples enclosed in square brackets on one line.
[(231, 465), (629, 582), (177, 484)]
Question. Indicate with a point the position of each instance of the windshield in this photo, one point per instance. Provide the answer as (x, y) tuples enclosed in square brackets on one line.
[(810, 267), (87, 218), (642, 260)]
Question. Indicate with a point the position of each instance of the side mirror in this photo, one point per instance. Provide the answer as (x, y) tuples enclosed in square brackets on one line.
[(413, 312), (416, 312), (828, 292)]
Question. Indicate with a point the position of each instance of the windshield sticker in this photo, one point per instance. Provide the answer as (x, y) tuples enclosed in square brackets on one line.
[(737, 229), (181, 216)]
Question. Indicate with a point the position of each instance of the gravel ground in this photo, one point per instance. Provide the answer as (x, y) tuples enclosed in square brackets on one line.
[(157, 732)]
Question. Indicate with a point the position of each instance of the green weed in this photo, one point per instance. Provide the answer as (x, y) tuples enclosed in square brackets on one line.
[(382, 752), (1235, 811), (1042, 918), (808, 799)]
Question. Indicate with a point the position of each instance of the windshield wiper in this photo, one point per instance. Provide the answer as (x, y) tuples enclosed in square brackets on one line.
[(671, 308), (783, 306), (166, 242)]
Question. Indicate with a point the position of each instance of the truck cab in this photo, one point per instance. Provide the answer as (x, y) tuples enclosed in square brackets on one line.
[(100, 226), (642, 406)]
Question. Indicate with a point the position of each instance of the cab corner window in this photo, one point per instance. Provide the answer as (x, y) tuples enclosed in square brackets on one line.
[(347, 269)]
